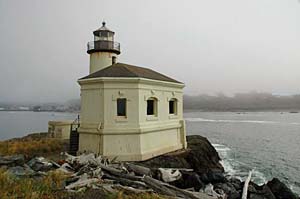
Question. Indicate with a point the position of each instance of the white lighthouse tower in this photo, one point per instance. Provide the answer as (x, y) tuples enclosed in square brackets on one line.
[(103, 50), (129, 112)]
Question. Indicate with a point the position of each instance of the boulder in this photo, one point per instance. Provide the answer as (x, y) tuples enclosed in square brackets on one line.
[(13, 160), (280, 190), (260, 192), (238, 184), (213, 177), (200, 156), (40, 164), (229, 189), (21, 171), (189, 180)]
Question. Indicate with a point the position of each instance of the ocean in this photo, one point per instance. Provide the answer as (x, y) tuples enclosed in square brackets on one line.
[(268, 142), (19, 123)]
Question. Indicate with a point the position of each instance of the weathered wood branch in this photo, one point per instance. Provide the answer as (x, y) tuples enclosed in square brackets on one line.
[(245, 189), (82, 183), (131, 189), (116, 172), (127, 182), (137, 169), (158, 187), (167, 189)]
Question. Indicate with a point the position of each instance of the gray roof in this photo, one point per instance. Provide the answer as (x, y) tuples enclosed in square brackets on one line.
[(130, 71)]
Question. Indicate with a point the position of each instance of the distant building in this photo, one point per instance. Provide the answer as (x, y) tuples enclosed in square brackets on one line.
[(23, 108), (128, 112)]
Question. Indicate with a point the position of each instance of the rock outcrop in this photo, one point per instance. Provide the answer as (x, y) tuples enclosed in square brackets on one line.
[(280, 190), (200, 156), (203, 159)]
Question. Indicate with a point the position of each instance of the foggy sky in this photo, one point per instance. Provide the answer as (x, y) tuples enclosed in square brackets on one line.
[(211, 45)]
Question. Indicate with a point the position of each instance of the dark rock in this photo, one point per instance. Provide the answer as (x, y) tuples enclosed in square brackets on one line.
[(40, 164), (13, 160), (189, 180), (213, 177), (21, 171), (280, 190), (200, 156), (235, 195), (229, 189), (259, 192), (238, 184)]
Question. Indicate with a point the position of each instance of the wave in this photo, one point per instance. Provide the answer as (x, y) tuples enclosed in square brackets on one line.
[(237, 121), (234, 168)]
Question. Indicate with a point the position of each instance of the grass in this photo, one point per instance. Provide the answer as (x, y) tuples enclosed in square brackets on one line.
[(30, 147), (47, 187), (96, 194), (139, 196)]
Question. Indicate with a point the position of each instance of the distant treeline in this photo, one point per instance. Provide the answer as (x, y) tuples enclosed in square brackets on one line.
[(242, 101)]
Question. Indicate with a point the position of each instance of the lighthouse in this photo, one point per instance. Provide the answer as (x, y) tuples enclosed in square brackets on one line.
[(103, 50), (128, 112)]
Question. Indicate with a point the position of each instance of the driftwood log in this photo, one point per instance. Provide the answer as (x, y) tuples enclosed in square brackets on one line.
[(127, 182), (167, 189), (245, 189), (137, 169)]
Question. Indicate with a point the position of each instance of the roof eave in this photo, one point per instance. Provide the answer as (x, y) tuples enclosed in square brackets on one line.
[(130, 79)]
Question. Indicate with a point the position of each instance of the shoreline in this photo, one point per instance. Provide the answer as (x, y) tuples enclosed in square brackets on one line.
[(287, 110), (201, 157)]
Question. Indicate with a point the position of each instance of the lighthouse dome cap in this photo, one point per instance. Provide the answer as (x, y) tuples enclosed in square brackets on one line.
[(103, 28)]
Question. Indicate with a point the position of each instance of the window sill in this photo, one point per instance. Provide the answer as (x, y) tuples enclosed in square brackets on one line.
[(151, 118), (173, 116), (121, 119)]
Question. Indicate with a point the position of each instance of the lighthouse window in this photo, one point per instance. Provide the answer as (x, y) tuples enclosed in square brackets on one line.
[(103, 34), (121, 107), (151, 106)]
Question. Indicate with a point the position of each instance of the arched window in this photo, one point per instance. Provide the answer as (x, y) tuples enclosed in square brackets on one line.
[(152, 106), (173, 106)]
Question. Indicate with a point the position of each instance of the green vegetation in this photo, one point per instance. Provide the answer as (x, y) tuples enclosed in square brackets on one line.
[(121, 195), (48, 187), (31, 147)]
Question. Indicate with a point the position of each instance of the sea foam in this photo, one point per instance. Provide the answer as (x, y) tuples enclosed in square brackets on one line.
[(237, 121), (234, 168)]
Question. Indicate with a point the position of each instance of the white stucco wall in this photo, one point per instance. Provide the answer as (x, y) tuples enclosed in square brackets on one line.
[(136, 136), (100, 60)]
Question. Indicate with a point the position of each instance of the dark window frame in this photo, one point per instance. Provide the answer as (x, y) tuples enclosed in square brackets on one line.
[(151, 107), (122, 107), (173, 106)]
